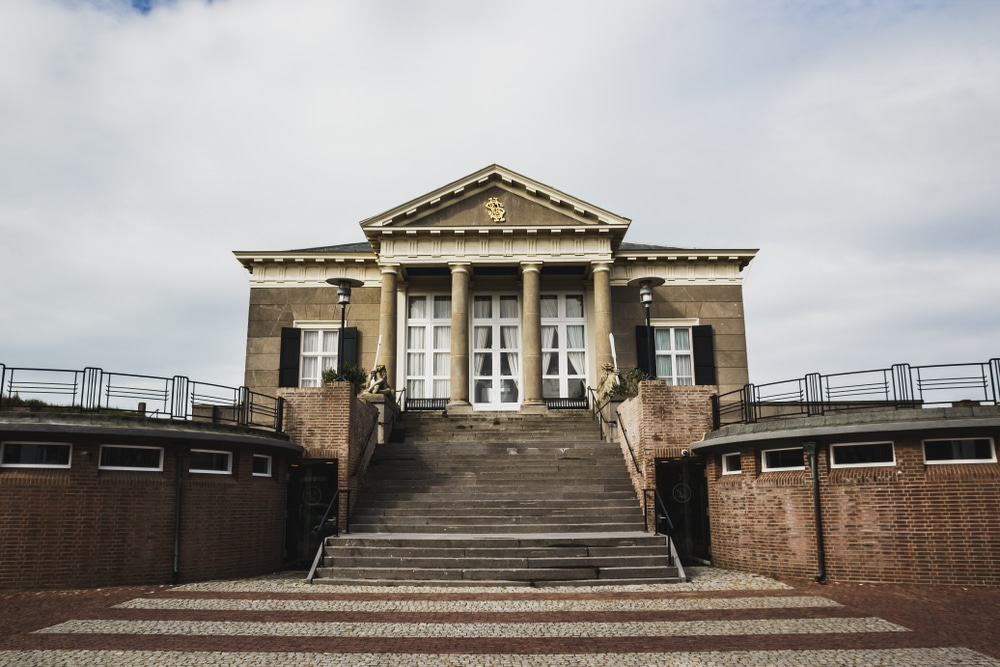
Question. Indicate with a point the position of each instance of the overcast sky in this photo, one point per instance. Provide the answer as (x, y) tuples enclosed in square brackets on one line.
[(857, 144)]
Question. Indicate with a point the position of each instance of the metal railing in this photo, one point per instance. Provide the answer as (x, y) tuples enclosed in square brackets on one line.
[(97, 391), (628, 446), (329, 526), (900, 386)]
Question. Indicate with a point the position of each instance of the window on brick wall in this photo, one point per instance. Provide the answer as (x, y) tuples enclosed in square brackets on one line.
[(261, 465), (211, 462), (731, 464), (121, 457), (790, 458), (862, 454), (35, 454), (968, 450)]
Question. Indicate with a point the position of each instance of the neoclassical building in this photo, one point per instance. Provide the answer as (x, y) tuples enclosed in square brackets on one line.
[(496, 292)]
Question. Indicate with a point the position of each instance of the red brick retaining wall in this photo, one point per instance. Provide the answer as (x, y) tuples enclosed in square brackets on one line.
[(82, 527)]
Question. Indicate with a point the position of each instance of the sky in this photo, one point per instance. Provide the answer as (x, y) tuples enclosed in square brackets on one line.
[(856, 144)]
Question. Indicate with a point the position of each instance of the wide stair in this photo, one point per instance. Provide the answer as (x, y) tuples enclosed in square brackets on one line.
[(497, 498)]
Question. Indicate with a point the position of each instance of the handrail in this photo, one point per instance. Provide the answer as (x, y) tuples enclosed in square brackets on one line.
[(674, 558), (332, 506), (628, 444), (899, 387), (369, 444), (177, 397), (597, 409)]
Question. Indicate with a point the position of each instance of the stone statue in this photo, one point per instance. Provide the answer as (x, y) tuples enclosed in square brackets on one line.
[(378, 382), (609, 378)]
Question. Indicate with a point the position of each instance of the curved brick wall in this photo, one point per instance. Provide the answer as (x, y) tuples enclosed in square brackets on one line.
[(86, 527)]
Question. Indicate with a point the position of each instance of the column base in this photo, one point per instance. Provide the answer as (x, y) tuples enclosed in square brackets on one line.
[(459, 408), (534, 407)]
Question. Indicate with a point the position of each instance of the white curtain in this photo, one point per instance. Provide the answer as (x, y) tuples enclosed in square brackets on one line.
[(482, 307), (508, 341), (418, 308), (442, 307), (549, 344), (508, 307), (482, 342), (550, 306)]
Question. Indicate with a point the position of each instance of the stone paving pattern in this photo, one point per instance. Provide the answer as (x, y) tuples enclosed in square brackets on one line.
[(719, 618)]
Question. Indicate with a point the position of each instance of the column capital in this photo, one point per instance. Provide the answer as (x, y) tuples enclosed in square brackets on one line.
[(390, 268), (600, 265), (460, 267), (535, 267)]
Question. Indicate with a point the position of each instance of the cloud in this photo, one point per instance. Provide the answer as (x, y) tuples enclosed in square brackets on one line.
[(855, 143)]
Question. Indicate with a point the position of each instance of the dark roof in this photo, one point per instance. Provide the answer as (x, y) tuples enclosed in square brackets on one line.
[(363, 246), (646, 246)]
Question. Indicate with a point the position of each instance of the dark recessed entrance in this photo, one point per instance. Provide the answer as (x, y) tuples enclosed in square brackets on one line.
[(683, 487), (311, 486)]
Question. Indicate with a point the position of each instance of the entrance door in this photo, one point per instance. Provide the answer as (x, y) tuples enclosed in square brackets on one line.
[(496, 352), (683, 487), (311, 486)]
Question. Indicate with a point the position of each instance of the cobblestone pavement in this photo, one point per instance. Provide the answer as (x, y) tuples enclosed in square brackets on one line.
[(720, 618)]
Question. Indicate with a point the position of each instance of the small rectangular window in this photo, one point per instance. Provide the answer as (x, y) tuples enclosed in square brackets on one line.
[(261, 465), (969, 450), (782, 459), (210, 461), (731, 464), (856, 455), (35, 454), (120, 457)]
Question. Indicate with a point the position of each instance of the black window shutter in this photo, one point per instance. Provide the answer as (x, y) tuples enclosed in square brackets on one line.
[(642, 350), (350, 346), (703, 342), (288, 359)]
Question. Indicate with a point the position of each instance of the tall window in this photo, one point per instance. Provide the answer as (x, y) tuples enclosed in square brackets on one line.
[(674, 363), (319, 352), (564, 354), (428, 347)]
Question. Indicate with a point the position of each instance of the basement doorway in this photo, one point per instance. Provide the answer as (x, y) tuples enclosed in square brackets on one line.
[(311, 485), (683, 485)]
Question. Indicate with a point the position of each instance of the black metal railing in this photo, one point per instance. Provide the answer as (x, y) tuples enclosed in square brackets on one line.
[(628, 446), (567, 403), (597, 410), (96, 390), (425, 404), (329, 525), (900, 386)]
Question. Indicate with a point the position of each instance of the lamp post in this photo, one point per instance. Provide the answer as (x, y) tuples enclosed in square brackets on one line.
[(344, 286), (646, 286)]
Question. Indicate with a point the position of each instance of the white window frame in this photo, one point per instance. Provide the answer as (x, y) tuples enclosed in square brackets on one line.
[(992, 459), (326, 359), (726, 470), (100, 452), (3, 451), (561, 322), (766, 468), (200, 471), (673, 324), (427, 378), (881, 464), (270, 463)]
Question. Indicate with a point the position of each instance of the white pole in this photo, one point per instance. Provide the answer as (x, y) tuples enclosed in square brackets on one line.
[(378, 349), (614, 355)]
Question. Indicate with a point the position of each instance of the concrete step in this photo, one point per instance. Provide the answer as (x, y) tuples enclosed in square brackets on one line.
[(492, 528)]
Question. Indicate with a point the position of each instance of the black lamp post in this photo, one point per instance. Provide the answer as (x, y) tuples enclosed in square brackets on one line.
[(344, 286), (646, 286)]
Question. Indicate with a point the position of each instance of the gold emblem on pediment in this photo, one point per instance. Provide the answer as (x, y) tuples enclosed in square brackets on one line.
[(495, 210)]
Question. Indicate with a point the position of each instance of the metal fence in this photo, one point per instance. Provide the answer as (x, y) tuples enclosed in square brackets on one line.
[(901, 386), (177, 397)]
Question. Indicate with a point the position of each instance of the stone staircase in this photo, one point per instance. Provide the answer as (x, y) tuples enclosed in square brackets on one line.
[(497, 498)]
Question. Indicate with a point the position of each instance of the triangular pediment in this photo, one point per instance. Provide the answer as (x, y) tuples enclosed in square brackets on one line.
[(494, 197)]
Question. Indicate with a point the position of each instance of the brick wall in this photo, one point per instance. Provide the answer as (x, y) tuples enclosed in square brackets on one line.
[(85, 527), (332, 423), (660, 422), (908, 523)]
